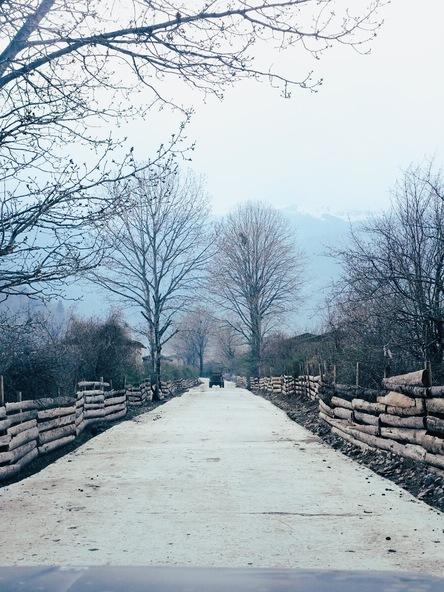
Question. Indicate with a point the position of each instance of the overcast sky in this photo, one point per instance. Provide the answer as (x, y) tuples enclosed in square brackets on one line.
[(339, 150)]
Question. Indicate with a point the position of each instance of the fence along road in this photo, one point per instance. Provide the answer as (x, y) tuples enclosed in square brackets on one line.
[(216, 478)]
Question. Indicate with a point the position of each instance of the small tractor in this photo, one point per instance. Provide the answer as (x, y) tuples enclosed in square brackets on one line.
[(217, 379)]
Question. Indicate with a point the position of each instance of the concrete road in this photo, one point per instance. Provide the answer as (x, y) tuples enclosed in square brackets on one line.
[(219, 478)]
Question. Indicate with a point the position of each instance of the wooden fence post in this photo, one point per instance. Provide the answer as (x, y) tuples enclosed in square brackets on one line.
[(429, 372)]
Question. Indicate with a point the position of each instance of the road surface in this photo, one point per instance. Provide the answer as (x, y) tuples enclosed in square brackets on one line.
[(216, 478)]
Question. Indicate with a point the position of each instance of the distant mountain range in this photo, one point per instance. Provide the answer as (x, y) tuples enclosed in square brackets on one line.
[(315, 234)]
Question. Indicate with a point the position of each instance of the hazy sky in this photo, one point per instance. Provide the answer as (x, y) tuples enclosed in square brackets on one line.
[(338, 150)]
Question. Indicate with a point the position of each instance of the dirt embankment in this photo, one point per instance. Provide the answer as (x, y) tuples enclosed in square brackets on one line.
[(415, 477)]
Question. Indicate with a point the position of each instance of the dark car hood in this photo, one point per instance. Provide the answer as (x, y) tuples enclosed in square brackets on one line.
[(162, 579)]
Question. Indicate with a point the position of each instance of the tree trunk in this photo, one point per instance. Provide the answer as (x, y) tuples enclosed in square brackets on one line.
[(201, 363), (256, 343), (156, 362), (156, 390), (255, 356)]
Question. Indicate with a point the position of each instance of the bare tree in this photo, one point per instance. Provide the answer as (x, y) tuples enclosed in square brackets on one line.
[(193, 336), (184, 349), (356, 332), (394, 268), (227, 342), (158, 251), (256, 273)]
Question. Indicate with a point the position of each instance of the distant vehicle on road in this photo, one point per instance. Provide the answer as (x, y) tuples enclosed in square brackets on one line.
[(217, 379)]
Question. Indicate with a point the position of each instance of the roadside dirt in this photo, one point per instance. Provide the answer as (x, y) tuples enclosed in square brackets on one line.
[(411, 475), (89, 432)]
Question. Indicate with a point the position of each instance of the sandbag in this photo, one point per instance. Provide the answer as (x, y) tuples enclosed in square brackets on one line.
[(435, 405), (24, 437), (403, 434), (20, 406), (49, 446), (362, 405), (57, 422), (56, 434), (55, 412), (366, 418), (21, 427), (418, 378), (339, 402), (397, 400), (342, 413), (435, 424), (403, 422)]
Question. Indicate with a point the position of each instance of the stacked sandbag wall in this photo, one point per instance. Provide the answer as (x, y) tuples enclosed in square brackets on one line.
[(254, 384), (115, 404), (18, 437), (56, 422), (288, 385), (262, 383), (93, 401), (97, 402), (405, 416), (276, 385), (138, 395), (306, 385), (313, 386), (178, 386), (182, 384), (32, 428), (167, 388)]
